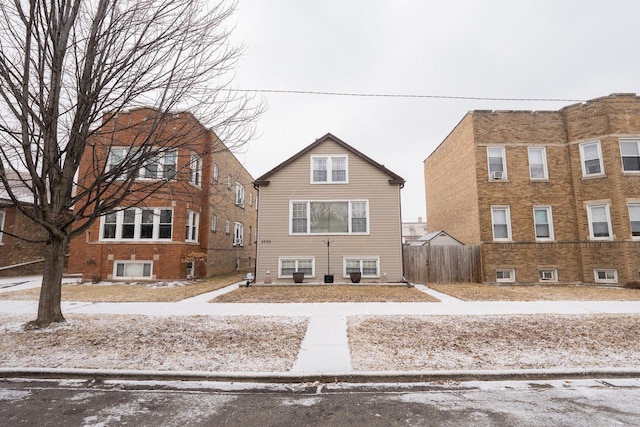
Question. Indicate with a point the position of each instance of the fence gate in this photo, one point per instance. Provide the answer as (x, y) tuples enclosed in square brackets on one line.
[(442, 264)]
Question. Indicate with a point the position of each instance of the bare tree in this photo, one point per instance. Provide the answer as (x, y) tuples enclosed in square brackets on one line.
[(68, 67)]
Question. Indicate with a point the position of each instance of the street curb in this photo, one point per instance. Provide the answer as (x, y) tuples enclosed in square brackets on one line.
[(345, 377)]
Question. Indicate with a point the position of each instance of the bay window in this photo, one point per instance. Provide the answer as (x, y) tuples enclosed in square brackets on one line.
[(137, 224)]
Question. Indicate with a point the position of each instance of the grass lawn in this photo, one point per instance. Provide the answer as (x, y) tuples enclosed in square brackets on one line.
[(480, 292), (131, 292), (328, 293)]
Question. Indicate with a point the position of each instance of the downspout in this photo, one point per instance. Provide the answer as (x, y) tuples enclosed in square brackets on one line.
[(255, 259), (403, 280)]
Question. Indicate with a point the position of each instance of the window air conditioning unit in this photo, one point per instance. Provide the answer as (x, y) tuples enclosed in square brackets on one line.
[(497, 175)]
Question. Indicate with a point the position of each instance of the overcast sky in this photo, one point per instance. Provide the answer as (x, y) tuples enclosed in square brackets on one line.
[(568, 49)]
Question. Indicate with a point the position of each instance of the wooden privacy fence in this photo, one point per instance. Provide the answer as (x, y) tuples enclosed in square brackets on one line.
[(442, 264)]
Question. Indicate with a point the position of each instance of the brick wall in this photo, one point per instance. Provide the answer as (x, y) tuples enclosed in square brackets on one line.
[(16, 251)]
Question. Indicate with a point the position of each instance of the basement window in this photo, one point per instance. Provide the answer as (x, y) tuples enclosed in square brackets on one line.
[(548, 275), (130, 270), (606, 276), (507, 275)]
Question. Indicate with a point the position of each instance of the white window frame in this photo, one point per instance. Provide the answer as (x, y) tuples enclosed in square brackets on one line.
[(583, 159), (545, 172), (502, 271), (250, 199), (592, 206), (503, 156), (195, 170), (227, 226), (156, 224), (329, 161), (296, 259), (216, 172), (214, 222), (161, 161), (637, 144), (229, 181), (631, 206), (549, 211), (125, 263), (360, 260), (239, 194), (553, 276), (238, 234), (507, 211), (613, 273), (192, 228), (3, 215), (350, 218)]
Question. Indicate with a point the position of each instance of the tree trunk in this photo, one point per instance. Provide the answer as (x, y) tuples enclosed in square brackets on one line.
[(49, 307)]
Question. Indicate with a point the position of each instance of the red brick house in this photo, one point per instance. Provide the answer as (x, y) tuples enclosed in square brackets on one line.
[(196, 224)]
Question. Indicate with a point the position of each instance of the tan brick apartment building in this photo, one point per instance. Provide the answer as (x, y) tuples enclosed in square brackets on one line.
[(550, 196), (200, 223)]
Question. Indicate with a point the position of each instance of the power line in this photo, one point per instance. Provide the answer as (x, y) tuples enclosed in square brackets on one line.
[(392, 95)]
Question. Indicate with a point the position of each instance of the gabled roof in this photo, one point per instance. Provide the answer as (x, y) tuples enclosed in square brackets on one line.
[(426, 238), (394, 178)]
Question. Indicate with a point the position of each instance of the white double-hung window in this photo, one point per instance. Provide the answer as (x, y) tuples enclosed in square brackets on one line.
[(238, 234), (192, 225), (634, 218), (239, 194), (195, 170), (137, 224), (329, 169), (538, 163), (543, 221), (599, 221), (591, 159), (327, 217), (162, 166), (497, 163), (630, 153), (501, 223)]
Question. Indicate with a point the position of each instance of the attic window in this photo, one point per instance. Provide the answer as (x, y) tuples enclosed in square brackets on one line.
[(329, 169)]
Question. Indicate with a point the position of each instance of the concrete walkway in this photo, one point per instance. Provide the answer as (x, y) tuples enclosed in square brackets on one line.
[(325, 347)]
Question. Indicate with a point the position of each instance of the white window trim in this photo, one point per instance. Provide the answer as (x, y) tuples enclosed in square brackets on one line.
[(3, 214), (600, 159), (549, 218), (229, 181), (505, 175), (216, 172), (329, 158), (214, 222), (138, 225), (545, 171), (195, 170), (161, 167), (589, 219), (507, 209), (512, 273), (606, 270), (629, 205), (554, 275), (239, 199), (227, 226), (238, 238), (296, 259), (637, 141), (192, 221), (360, 259), (115, 270), (308, 203)]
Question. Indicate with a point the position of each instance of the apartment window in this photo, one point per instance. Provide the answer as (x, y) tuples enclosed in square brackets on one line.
[(550, 275), (191, 230), (250, 199), (606, 275), (538, 163), (501, 220), (329, 169), (288, 266), (162, 166), (497, 163), (229, 181), (369, 267), (216, 172), (591, 159), (132, 270), (2, 215), (116, 156), (227, 227), (599, 222), (195, 170), (250, 234), (239, 194), (506, 275), (630, 153), (137, 224), (214, 222), (329, 217), (543, 222), (634, 218), (238, 234)]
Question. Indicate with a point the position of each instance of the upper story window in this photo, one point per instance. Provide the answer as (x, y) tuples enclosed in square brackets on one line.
[(630, 153), (227, 227), (634, 218), (538, 163), (239, 194), (599, 221), (214, 222), (329, 217), (195, 170), (216, 172), (591, 159), (1, 224), (497, 163), (162, 166), (229, 181), (193, 223), (543, 222), (501, 223), (238, 234), (137, 224), (329, 169)]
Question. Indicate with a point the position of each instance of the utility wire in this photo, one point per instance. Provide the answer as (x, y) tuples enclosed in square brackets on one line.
[(390, 95)]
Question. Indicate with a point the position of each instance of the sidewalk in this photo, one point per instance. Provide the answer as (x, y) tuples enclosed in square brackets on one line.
[(324, 352)]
